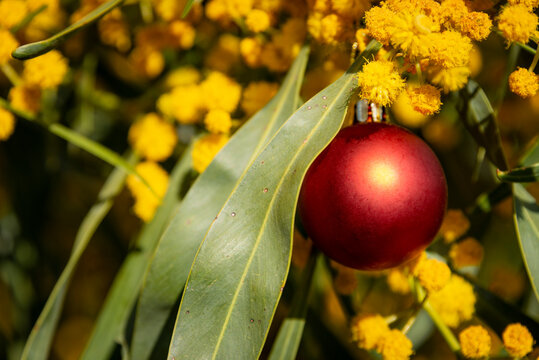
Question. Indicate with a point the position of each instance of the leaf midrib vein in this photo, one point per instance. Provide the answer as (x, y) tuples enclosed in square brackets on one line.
[(259, 236)]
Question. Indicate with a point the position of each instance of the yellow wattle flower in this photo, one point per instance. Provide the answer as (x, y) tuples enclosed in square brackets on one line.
[(46, 71), (468, 252), (425, 99), (257, 20), (256, 95), (220, 92), (395, 346), (8, 43), (518, 340), (152, 137), (523, 82), (368, 330), (455, 303), (26, 98), (146, 201), (398, 282), (205, 149), (7, 124), (380, 82), (218, 122), (433, 275), (475, 342), (517, 23)]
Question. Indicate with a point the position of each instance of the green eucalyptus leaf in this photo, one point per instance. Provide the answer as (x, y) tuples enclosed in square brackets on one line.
[(526, 217), (126, 286), (486, 201), (28, 18), (479, 118), (176, 250), (241, 267), (523, 174), (531, 156), (29, 51), (187, 8), (40, 339), (289, 337)]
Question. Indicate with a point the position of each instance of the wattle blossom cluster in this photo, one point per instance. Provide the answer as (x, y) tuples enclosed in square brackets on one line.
[(425, 40)]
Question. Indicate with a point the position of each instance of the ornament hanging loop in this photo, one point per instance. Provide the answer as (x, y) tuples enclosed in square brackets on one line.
[(369, 112)]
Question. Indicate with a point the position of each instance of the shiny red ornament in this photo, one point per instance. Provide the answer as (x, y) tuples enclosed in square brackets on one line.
[(374, 198)]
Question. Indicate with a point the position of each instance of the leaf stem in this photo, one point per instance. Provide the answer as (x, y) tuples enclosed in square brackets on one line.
[(11, 74), (444, 330), (514, 51), (37, 48), (523, 46), (146, 11), (81, 141), (534, 62), (28, 18)]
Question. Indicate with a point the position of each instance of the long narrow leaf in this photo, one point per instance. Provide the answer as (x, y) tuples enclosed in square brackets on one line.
[(126, 286), (526, 219), (187, 8), (289, 337), (240, 270), (479, 118), (523, 174), (37, 48), (176, 250), (38, 345), (532, 155)]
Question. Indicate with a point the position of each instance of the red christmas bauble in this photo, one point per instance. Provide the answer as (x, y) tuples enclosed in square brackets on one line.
[(374, 198)]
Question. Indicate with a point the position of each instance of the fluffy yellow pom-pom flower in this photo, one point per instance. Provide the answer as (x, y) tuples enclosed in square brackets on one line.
[(425, 99), (379, 22), (380, 82), (7, 124), (185, 75), (468, 252), (517, 340), (218, 121), (46, 71), (251, 51), (530, 4), (450, 79), (395, 346), (153, 138), (12, 12), (433, 274), (257, 20), (184, 103), (450, 49), (475, 25), (368, 330), (333, 29), (25, 98), (256, 95), (7, 44), (455, 302), (455, 225), (398, 282), (220, 92), (517, 23), (405, 113), (146, 201), (474, 342), (205, 149), (412, 33), (523, 82)]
